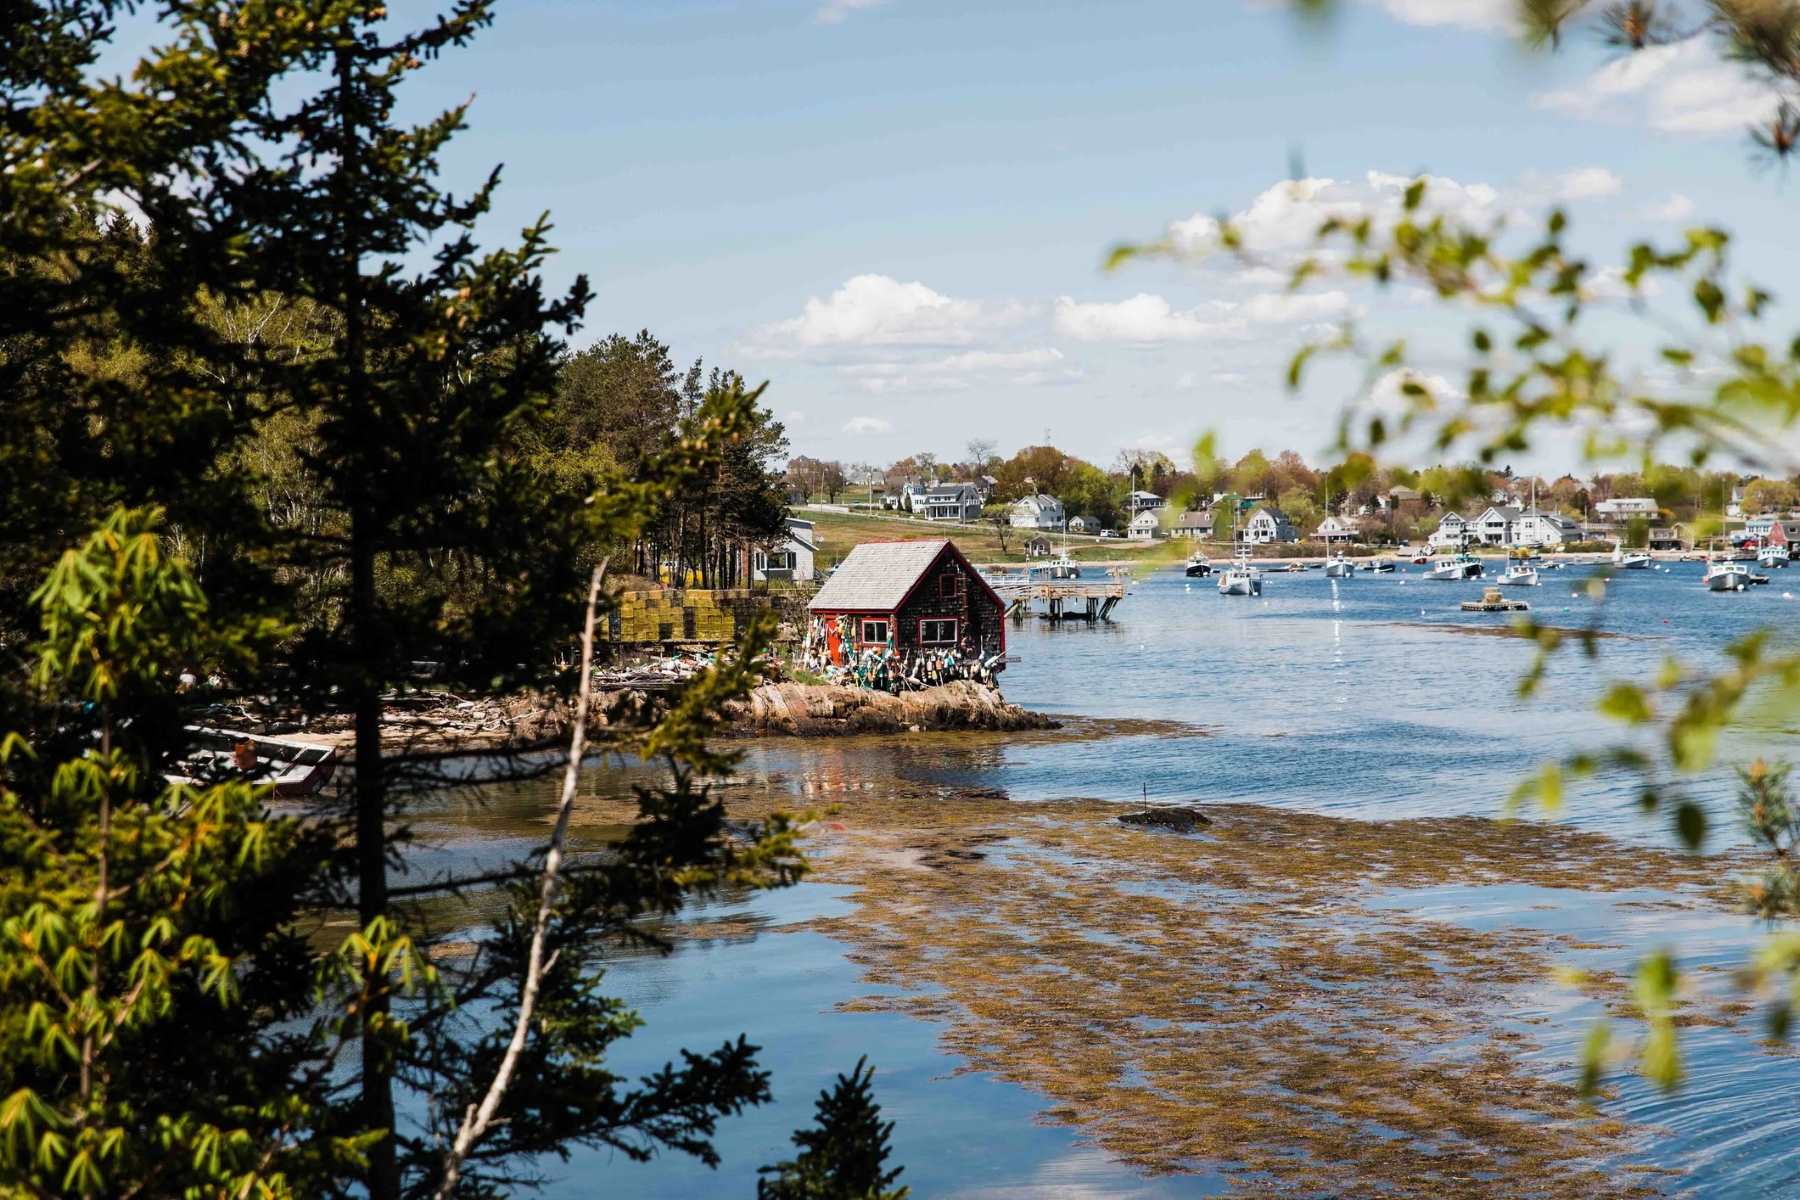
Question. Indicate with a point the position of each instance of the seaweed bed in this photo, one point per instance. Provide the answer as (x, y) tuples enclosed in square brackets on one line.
[(1229, 1000)]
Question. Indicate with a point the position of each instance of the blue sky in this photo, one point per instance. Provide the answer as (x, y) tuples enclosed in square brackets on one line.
[(895, 211)]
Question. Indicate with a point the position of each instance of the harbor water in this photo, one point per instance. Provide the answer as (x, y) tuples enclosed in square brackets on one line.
[(1368, 698)]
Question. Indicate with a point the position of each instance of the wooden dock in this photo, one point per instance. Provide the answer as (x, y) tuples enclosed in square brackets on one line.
[(1059, 599)]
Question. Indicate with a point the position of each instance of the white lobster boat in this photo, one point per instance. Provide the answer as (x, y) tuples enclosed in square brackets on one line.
[(1457, 567), (1240, 578)]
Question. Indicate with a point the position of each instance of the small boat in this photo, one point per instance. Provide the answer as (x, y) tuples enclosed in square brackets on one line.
[(1456, 567), (294, 768), (1419, 560), (1198, 566), (1379, 566), (1773, 556), (1240, 578), (1630, 560), (1519, 575), (1060, 567), (1726, 575), (1339, 567)]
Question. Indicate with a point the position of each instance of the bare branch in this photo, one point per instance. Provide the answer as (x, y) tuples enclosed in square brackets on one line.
[(477, 1119)]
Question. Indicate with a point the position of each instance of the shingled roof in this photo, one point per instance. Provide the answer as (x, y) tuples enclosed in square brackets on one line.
[(876, 576)]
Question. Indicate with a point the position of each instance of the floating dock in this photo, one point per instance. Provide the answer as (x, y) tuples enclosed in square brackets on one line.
[(1493, 600)]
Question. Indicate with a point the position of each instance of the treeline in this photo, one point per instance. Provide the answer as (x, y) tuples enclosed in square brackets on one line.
[(1306, 493)]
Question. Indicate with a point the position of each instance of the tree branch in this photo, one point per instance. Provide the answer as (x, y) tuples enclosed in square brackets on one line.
[(476, 1120)]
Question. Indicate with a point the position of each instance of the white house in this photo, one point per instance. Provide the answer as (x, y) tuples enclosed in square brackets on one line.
[(1267, 525), (1146, 525), (1545, 529), (1038, 512), (1336, 529), (1495, 526), (1452, 532), (1626, 507), (1145, 501), (793, 559), (948, 502)]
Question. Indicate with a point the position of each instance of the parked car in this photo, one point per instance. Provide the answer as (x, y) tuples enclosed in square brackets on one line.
[(1110, 533)]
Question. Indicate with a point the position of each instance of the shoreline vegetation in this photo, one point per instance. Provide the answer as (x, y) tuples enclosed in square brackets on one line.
[(1261, 998)]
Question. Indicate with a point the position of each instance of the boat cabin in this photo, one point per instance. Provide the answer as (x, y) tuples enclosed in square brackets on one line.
[(908, 598)]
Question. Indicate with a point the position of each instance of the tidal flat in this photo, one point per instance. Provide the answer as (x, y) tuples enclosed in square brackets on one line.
[(1258, 1002)]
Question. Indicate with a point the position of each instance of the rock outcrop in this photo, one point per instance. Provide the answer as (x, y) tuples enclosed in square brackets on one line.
[(815, 710)]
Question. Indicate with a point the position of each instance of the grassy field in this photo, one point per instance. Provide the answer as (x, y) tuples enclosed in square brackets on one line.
[(838, 532)]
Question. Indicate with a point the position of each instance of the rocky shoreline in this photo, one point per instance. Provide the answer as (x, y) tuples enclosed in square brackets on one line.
[(829, 710)]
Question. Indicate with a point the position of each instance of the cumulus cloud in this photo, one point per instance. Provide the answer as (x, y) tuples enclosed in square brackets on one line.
[(1673, 207), (1683, 87), (1484, 16), (1142, 319), (1283, 222), (879, 310), (868, 425), (834, 11), (1279, 307), (1588, 183)]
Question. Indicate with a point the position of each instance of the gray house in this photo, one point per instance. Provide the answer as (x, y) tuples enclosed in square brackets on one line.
[(948, 502)]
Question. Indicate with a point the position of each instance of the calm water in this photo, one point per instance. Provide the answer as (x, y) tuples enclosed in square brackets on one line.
[(1346, 697)]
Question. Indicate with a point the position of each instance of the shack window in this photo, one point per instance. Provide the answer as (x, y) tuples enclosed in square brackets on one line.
[(950, 584), (874, 631), (938, 632)]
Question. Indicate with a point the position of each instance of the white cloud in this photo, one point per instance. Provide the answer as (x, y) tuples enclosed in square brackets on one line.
[(959, 372), (982, 360), (878, 310), (833, 11), (1143, 319), (1674, 207), (1485, 16), (793, 416), (868, 425), (1588, 183), (1278, 307), (1683, 87), (1283, 222)]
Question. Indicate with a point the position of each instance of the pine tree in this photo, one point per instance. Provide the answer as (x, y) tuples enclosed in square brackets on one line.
[(844, 1155)]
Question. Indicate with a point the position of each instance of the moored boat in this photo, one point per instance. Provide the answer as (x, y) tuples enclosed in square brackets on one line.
[(1773, 556), (1519, 575), (1339, 567), (1240, 578), (1726, 575), (1630, 560), (295, 768), (1456, 567), (1198, 565)]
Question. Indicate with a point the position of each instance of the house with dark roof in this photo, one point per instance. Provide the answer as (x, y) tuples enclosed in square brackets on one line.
[(908, 598), (1268, 524), (948, 502)]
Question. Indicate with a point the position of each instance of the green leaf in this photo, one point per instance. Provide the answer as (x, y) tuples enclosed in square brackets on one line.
[(1626, 702)]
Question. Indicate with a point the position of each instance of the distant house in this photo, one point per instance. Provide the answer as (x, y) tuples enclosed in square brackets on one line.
[(1195, 523), (907, 597), (1453, 531), (1268, 524), (792, 560), (1038, 546), (1626, 507), (948, 502), (1404, 500), (1666, 537), (1545, 529), (1145, 525), (1145, 501), (1082, 525), (1038, 512), (1336, 529), (1494, 527), (1766, 528)]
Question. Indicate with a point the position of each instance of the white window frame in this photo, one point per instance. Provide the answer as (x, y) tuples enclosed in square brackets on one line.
[(865, 624), (952, 622)]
